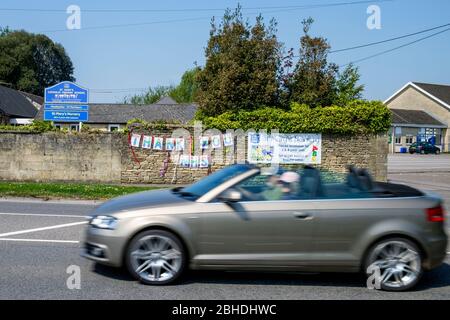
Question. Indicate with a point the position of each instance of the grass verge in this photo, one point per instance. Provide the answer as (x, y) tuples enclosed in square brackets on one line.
[(67, 190)]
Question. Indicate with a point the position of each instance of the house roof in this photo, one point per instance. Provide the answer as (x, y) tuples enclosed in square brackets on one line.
[(440, 91), (122, 113), (15, 104), (414, 118), (166, 100), (437, 92), (37, 99)]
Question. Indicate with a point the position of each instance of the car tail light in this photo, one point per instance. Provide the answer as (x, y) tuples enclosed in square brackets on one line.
[(435, 214)]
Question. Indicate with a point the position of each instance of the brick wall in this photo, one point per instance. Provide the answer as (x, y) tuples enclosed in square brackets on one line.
[(106, 157)]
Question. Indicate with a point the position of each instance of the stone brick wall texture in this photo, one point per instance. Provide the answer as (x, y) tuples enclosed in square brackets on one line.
[(107, 158)]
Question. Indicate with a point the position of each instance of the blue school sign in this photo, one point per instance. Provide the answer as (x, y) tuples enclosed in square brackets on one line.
[(66, 102), (66, 92)]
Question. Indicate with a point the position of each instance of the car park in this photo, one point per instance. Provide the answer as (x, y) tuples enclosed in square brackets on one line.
[(234, 219)]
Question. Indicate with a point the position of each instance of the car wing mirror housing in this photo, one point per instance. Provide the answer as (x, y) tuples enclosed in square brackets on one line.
[(230, 195)]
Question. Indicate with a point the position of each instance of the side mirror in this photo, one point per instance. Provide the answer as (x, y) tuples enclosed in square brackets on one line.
[(230, 195)]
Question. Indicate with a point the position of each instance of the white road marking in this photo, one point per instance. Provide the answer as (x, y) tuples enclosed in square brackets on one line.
[(42, 229), (40, 215), (39, 240)]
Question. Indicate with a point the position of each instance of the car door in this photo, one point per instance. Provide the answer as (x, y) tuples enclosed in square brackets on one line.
[(264, 233)]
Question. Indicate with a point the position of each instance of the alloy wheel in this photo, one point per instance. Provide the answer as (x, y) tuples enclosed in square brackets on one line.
[(156, 258), (399, 264)]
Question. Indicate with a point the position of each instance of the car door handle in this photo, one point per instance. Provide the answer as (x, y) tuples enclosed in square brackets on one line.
[(303, 215)]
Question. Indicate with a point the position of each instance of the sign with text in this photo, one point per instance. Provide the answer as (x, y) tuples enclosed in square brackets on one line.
[(296, 148), (66, 115), (66, 92)]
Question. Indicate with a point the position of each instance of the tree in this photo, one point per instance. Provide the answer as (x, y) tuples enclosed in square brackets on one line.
[(314, 79), (347, 88), (242, 64), (186, 91), (31, 62), (316, 82), (153, 94)]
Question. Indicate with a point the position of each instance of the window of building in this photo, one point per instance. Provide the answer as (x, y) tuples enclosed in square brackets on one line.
[(74, 127), (398, 140), (57, 126), (409, 139), (113, 127)]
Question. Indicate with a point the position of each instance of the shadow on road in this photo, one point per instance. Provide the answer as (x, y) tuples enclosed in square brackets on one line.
[(111, 272), (436, 278)]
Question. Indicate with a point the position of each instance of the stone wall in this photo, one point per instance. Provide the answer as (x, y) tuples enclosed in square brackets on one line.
[(60, 157), (107, 157)]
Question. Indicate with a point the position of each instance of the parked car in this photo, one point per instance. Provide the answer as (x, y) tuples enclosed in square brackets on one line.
[(423, 148), (245, 218)]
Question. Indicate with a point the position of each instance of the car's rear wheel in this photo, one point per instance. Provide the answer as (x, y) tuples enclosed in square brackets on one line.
[(395, 263), (422, 151), (437, 151), (155, 257)]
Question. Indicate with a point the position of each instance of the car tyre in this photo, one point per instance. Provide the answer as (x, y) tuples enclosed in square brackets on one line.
[(422, 151), (399, 261), (155, 257), (437, 151)]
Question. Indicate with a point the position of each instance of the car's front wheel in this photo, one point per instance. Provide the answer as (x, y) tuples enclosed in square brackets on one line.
[(155, 257), (394, 264)]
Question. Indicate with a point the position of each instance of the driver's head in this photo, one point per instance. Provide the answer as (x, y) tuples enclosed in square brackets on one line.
[(289, 180)]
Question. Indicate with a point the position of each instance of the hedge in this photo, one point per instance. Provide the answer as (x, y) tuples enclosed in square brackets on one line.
[(367, 117)]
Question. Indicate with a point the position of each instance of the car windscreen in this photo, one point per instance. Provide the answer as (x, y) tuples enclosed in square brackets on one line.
[(208, 183)]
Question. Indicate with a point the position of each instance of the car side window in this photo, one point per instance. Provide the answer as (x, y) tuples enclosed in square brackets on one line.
[(270, 187)]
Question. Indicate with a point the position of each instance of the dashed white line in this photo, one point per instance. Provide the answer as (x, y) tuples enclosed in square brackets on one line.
[(40, 215), (42, 229), (39, 240)]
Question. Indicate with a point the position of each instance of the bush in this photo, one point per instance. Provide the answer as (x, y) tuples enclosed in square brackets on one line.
[(36, 126), (355, 118)]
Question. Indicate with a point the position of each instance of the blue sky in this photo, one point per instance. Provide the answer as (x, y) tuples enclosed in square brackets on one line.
[(134, 57)]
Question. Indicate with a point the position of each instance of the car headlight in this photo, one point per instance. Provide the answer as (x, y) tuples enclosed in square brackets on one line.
[(103, 222)]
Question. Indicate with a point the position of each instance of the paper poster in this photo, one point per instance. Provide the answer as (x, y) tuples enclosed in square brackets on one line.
[(135, 140), (216, 142), (147, 142), (228, 140), (170, 144), (179, 144), (204, 141), (185, 161), (301, 148), (194, 162), (260, 148), (204, 161), (158, 143)]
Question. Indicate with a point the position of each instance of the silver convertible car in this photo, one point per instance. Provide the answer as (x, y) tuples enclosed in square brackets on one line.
[(245, 217)]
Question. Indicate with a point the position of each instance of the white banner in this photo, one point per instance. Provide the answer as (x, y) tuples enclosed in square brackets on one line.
[(295, 148)]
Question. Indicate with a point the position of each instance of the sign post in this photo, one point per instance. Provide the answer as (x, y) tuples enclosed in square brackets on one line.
[(66, 102)]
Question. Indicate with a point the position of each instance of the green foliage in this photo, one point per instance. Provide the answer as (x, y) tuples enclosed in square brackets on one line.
[(146, 125), (358, 117), (242, 63), (186, 91), (36, 126), (346, 86), (31, 62), (153, 94)]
